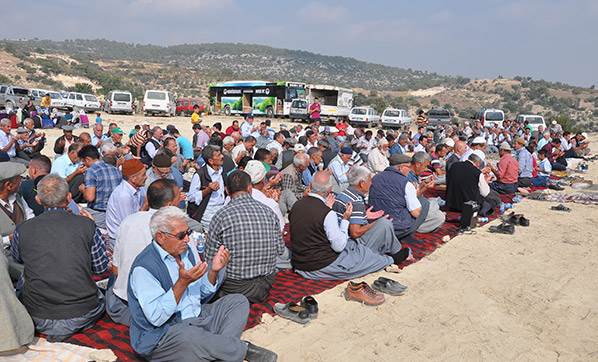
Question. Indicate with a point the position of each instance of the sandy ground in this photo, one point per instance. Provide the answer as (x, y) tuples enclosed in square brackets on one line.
[(529, 296)]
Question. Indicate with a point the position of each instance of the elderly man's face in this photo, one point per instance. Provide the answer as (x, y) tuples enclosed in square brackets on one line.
[(217, 159), (419, 168), (172, 146), (174, 241), (316, 158), (345, 157), (117, 137), (162, 172), (68, 135)]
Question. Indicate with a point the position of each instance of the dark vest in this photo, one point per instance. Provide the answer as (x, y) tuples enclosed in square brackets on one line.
[(144, 335), (388, 193), (462, 185), (310, 246), (56, 251), (144, 156), (196, 211)]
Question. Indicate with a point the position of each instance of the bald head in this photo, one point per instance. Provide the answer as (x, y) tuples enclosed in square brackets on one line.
[(320, 184)]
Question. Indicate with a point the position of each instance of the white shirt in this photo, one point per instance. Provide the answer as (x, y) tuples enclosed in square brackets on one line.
[(132, 237), (483, 185), (411, 197), (5, 140), (310, 145), (544, 167), (337, 234), (151, 149), (124, 201), (246, 128), (419, 148), (377, 161), (273, 205), (216, 197), (237, 150)]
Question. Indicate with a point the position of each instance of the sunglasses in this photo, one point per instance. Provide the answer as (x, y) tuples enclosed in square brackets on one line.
[(180, 235)]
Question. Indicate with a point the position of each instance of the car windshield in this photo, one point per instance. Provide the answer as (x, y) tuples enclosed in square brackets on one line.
[(55, 95), (161, 96), (535, 120), (121, 97), (359, 111), (90, 98), (20, 91), (392, 113), (300, 104), (495, 116), (439, 114)]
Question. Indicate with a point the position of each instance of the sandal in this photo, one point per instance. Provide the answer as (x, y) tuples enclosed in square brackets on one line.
[(504, 228), (560, 207), (292, 311), (311, 306), (515, 219), (389, 286)]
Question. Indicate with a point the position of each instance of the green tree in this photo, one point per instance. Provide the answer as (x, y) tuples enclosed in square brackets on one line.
[(82, 88), (434, 102)]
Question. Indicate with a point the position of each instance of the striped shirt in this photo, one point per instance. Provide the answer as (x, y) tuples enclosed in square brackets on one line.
[(357, 199)]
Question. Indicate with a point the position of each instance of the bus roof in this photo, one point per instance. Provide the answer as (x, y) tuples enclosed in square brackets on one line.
[(253, 83)]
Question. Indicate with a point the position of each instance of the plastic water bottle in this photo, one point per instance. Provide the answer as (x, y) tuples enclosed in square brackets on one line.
[(482, 219), (200, 243)]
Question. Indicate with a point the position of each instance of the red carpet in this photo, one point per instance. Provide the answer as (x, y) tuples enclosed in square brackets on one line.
[(288, 287)]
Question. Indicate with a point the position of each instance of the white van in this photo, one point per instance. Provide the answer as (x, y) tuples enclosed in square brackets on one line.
[(364, 116), (159, 102), (393, 117), (533, 120), (490, 117), (84, 101), (118, 101)]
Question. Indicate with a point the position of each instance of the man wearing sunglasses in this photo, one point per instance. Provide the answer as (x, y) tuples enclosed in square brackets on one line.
[(167, 285)]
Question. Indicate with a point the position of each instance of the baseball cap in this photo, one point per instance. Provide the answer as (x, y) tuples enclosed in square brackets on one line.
[(346, 150), (449, 142), (478, 141), (299, 147), (117, 130), (256, 170), (505, 146), (399, 158)]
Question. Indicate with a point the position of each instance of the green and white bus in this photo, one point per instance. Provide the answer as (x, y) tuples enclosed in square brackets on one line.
[(272, 99)]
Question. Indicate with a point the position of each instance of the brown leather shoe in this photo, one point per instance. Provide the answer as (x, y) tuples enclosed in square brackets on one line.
[(362, 293)]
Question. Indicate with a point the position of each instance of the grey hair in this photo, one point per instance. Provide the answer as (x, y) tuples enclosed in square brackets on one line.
[(227, 140), (300, 159), (318, 187), (357, 174), (28, 121), (52, 190), (155, 129), (162, 220), (420, 157), (403, 137), (108, 148), (475, 159), (5, 122)]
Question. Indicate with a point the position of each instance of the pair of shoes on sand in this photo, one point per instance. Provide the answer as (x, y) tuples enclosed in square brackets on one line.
[(301, 313), (374, 295), (508, 224)]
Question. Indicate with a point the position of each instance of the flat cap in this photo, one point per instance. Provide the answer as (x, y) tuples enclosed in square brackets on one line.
[(68, 128), (399, 158), (11, 169)]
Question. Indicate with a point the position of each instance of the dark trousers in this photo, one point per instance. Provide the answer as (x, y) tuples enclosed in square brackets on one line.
[(256, 290), (489, 203), (525, 181), (74, 188), (503, 188), (401, 234)]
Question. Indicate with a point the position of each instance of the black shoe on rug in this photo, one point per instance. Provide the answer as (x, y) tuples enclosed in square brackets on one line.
[(410, 239), (259, 354), (401, 256)]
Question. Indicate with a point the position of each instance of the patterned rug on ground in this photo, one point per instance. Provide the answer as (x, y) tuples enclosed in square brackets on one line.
[(288, 287)]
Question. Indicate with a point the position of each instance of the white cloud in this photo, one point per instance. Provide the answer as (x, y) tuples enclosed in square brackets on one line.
[(320, 13)]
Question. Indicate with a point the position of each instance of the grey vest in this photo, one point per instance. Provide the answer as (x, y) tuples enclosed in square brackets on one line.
[(7, 226)]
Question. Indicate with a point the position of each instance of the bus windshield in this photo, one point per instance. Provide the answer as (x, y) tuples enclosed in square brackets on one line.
[(294, 93)]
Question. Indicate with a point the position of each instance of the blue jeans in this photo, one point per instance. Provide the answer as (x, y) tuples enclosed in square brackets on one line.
[(503, 188)]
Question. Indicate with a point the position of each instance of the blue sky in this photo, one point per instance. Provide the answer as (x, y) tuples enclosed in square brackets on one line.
[(549, 39)]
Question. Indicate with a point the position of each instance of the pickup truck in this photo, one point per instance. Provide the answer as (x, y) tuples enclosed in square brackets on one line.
[(438, 117), (12, 97)]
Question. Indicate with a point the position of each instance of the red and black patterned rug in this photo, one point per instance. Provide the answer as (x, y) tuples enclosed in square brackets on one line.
[(288, 287)]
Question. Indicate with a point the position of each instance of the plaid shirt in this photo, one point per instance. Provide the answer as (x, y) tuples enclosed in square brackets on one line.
[(293, 181), (104, 178), (99, 259), (251, 231)]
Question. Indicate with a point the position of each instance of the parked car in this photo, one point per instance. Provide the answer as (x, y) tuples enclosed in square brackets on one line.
[(56, 100), (298, 110), (393, 117), (184, 106), (85, 101), (490, 117), (118, 101), (12, 97), (534, 120), (159, 102), (439, 117), (364, 116), (37, 94)]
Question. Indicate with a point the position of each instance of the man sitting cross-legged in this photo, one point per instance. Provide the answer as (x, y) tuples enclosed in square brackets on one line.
[(322, 249), (167, 285), (60, 252), (251, 231), (379, 233)]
